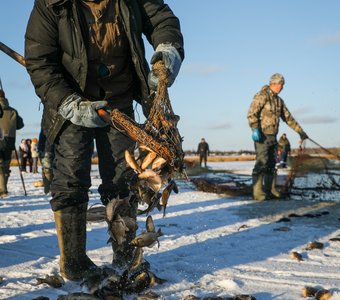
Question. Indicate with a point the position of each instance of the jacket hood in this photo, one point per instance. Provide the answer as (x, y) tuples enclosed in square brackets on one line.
[(4, 102)]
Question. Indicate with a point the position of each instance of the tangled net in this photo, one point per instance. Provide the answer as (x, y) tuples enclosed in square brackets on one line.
[(314, 175)]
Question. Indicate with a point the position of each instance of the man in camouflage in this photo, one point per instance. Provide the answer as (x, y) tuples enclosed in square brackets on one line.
[(264, 116)]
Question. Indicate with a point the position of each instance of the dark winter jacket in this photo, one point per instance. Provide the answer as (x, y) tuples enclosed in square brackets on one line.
[(10, 122), (56, 55), (203, 148)]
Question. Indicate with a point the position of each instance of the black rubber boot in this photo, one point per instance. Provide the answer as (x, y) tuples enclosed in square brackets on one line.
[(71, 230), (258, 193)]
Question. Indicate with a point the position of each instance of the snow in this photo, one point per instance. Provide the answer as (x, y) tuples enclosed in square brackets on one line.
[(212, 245)]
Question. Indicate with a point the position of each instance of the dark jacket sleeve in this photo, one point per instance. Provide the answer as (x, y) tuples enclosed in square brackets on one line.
[(20, 122), (42, 55), (160, 24)]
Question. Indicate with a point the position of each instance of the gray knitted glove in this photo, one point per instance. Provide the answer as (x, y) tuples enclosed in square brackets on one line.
[(82, 112)]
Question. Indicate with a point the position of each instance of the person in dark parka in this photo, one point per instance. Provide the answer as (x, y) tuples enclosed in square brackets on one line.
[(82, 56), (10, 122)]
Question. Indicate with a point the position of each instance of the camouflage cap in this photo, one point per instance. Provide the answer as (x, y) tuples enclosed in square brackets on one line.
[(277, 78)]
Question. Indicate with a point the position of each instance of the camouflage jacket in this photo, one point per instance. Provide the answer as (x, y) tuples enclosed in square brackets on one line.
[(266, 110)]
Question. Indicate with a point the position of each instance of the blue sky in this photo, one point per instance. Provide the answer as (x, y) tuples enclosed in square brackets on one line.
[(232, 48)]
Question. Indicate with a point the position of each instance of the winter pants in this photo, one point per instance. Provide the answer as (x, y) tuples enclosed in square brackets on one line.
[(5, 161), (74, 148), (265, 155), (35, 164), (203, 158)]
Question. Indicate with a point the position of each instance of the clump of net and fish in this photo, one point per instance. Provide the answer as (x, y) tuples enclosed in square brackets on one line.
[(314, 174), (157, 158)]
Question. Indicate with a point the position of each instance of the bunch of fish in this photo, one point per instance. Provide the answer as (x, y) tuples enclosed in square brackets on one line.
[(153, 184), (119, 221), (137, 277)]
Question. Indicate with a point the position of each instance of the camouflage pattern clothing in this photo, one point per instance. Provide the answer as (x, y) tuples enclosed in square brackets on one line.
[(264, 113), (266, 110)]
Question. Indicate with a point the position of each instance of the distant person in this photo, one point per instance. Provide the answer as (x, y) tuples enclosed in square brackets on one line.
[(29, 155), (35, 155), (264, 116), (203, 152), (23, 155), (10, 122), (283, 151)]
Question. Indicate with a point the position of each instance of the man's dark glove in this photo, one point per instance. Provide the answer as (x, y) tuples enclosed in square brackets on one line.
[(82, 112), (256, 135), (172, 61), (303, 135)]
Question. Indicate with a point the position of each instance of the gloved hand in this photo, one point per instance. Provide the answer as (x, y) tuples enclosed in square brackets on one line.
[(172, 61), (82, 112), (256, 135), (303, 135)]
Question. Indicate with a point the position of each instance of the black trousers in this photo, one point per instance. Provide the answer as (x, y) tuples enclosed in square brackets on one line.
[(266, 151), (74, 148)]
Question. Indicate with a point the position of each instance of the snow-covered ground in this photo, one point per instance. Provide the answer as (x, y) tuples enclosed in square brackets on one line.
[(212, 245)]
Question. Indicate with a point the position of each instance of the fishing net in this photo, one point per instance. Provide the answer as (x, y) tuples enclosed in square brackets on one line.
[(314, 174), (159, 133)]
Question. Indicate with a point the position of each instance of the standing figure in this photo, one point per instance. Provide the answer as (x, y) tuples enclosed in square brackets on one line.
[(203, 152), (264, 116), (29, 155), (83, 56), (35, 155), (283, 151), (23, 155), (10, 122)]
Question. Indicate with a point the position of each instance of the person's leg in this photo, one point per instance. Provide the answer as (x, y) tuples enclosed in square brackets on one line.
[(69, 190), (3, 188), (261, 163), (270, 171)]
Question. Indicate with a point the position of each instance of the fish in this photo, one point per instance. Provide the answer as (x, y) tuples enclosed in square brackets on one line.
[(323, 295), (148, 296), (158, 163), (145, 194), (155, 279), (118, 230), (145, 148), (296, 255), (130, 223), (55, 281), (154, 203), (146, 239), (78, 296), (308, 291), (150, 226), (314, 245), (112, 206), (137, 259), (131, 161), (153, 179), (165, 197), (149, 158), (139, 282)]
